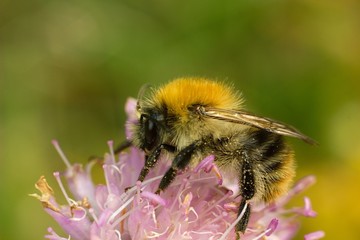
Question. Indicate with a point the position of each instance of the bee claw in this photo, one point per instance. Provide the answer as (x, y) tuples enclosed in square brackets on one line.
[(237, 235), (128, 188)]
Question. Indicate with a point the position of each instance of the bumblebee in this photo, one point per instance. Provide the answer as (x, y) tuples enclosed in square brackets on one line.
[(191, 118)]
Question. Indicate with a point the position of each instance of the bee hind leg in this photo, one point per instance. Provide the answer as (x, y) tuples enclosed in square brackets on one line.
[(242, 224), (247, 189)]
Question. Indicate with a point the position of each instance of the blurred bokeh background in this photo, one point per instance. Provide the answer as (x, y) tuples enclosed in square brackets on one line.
[(67, 68)]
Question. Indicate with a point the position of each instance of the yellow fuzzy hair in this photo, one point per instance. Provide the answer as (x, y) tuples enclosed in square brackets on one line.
[(182, 92)]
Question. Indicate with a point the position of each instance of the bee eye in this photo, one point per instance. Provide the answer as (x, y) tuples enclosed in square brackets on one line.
[(150, 132)]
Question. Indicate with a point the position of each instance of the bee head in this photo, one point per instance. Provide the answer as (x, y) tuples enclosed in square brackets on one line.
[(150, 128)]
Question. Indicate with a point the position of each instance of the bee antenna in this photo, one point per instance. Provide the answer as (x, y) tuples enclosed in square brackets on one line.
[(141, 95)]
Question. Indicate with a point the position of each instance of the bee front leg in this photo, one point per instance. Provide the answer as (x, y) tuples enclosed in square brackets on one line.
[(180, 161), (122, 146), (117, 150), (152, 159)]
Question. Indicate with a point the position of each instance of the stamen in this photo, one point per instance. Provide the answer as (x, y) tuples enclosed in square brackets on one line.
[(205, 163), (186, 235), (314, 235), (119, 210), (156, 235), (118, 234), (217, 218), (116, 168), (201, 179), (231, 206), (308, 212), (272, 226), (138, 190), (229, 229), (218, 174), (123, 217), (55, 143), (126, 194), (187, 201), (105, 167), (92, 213), (153, 197), (153, 215), (68, 199), (195, 213), (270, 229), (144, 183), (54, 235), (260, 235), (299, 187), (180, 191), (78, 219), (227, 195), (111, 148), (303, 184)]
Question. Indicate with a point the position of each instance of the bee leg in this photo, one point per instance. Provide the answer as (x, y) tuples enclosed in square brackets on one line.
[(242, 224), (152, 159), (122, 146), (117, 150), (180, 161), (247, 189)]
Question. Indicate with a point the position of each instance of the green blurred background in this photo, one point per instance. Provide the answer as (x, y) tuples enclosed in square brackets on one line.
[(66, 70)]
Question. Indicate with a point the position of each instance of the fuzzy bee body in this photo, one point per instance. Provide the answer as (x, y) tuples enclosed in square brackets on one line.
[(267, 157), (191, 118)]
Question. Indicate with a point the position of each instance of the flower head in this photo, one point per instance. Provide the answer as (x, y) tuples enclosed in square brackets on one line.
[(195, 206)]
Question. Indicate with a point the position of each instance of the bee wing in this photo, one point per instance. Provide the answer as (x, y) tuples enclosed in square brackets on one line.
[(250, 119), (141, 95)]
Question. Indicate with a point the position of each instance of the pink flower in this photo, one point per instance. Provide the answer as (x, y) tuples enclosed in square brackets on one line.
[(195, 206)]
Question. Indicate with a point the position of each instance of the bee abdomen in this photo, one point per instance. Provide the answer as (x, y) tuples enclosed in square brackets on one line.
[(275, 165)]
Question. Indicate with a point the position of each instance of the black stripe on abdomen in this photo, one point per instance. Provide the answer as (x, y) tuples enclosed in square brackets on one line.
[(270, 146)]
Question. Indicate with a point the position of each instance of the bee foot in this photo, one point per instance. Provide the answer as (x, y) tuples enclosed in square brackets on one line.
[(128, 188)]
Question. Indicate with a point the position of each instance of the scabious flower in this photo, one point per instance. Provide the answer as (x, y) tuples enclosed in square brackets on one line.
[(195, 206)]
